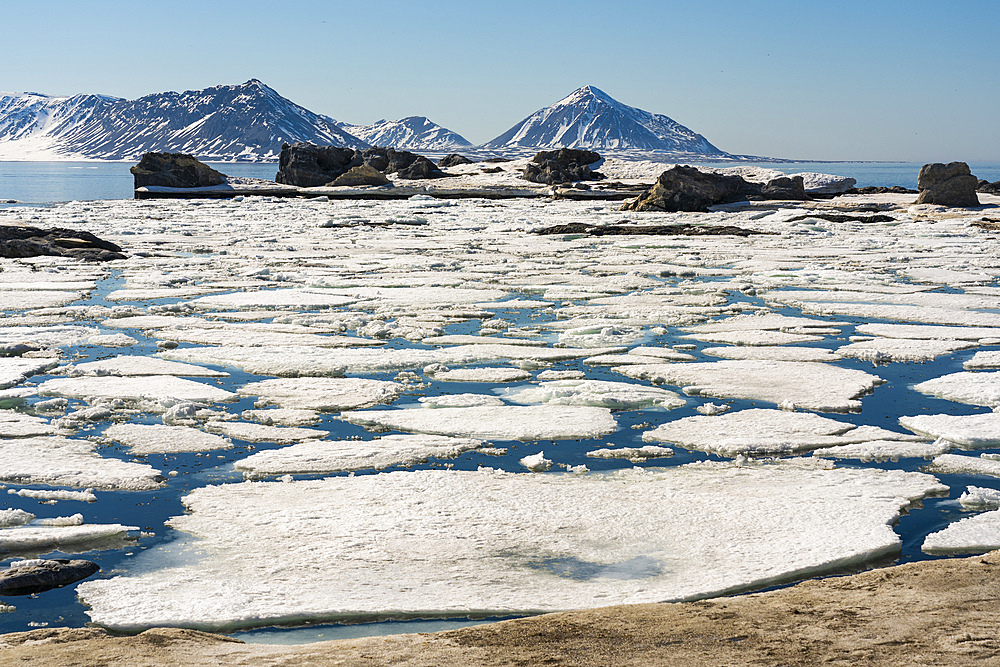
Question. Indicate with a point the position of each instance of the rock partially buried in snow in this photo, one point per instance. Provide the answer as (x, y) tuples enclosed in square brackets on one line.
[(507, 422), (27, 577), (503, 543)]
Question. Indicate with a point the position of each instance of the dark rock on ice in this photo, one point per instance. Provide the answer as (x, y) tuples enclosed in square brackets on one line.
[(684, 188), (647, 230), (949, 184), (881, 190), (988, 188), (492, 170), (40, 575), (453, 159), (308, 166), (497, 159), (421, 168), (174, 170), (23, 241), (785, 188), (562, 166), (844, 217), (361, 175)]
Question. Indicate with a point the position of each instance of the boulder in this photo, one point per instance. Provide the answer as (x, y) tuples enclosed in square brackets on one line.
[(24, 241), (949, 184), (786, 188), (27, 577), (421, 168), (562, 166), (363, 174), (308, 166), (684, 188), (453, 159), (988, 188), (406, 164), (174, 170)]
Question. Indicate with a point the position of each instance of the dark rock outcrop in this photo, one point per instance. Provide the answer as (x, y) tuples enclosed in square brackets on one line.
[(949, 184), (23, 241), (361, 175), (453, 159), (844, 217), (562, 166), (988, 188), (308, 166), (684, 188), (647, 230), (174, 170), (37, 576), (881, 190), (421, 168), (786, 188)]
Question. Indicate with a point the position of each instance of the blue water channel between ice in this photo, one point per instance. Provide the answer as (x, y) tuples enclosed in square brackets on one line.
[(150, 509)]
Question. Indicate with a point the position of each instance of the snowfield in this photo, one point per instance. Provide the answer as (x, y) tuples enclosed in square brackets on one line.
[(376, 409)]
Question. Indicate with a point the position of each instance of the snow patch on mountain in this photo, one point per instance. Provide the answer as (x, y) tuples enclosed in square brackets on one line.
[(246, 122), (589, 118), (410, 133)]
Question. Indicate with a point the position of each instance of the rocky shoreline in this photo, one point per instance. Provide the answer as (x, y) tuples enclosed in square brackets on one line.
[(940, 612)]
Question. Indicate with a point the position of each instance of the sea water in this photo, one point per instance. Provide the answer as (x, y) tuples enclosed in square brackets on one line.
[(150, 509), (49, 182)]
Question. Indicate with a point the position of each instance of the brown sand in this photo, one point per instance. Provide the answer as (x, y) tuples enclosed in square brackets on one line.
[(943, 612)]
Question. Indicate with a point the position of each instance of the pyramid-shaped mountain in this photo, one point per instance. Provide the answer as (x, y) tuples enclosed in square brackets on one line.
[(410, 133), (591, 119), (246, 122)]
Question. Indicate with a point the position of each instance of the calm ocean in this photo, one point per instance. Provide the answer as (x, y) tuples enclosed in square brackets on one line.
[(47, 182)]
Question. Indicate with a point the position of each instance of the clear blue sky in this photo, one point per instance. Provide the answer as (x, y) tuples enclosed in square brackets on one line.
[(877, 80)]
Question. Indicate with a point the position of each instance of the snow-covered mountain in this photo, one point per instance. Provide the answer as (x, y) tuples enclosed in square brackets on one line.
[(591, 119), (246, 122), (410, 133)]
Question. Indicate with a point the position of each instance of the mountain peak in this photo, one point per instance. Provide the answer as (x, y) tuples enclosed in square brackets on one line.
[(589, 118)]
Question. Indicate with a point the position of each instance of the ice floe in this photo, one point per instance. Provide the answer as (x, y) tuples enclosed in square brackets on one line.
[(536, 462), (55, 495), (19, 425), (978, 497), (249, 432), (901, 349), (959, 464), (791, 384), (982, 388), (983, 359), (760, 432), (885, 450), (507, 422), (155, 387), (159, 438), (59, 461), (14, 370), (451, 543), (282, 416), (459, 401), (633, 454), (773, 353), (753, 338), (486, 375), (974, 431), (601, 393), (135, 366), (972, 534), (73, 538), (322, 393), (927, 331), (279, 299), (346, 455)]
